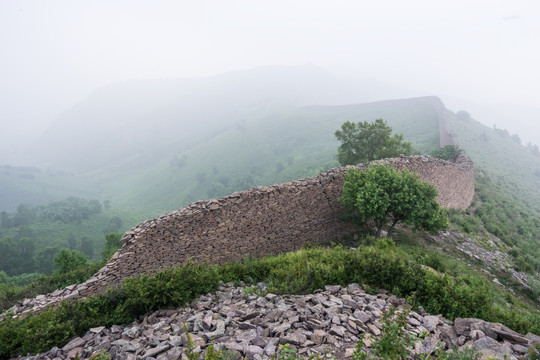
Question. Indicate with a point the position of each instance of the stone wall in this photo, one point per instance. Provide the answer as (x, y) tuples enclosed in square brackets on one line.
[(259, 221), (265, 220), (446, 137)]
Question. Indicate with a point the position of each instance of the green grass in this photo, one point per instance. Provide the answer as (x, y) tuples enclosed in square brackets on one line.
[(380, 266), (273, 148), (507, 202), (512, 168), (11, 293)]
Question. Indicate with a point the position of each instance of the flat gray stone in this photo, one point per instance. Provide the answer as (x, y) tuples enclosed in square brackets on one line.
[(77, 342), (487, 343), (157, 350), (252, 351), (97, 330), (463, 325)]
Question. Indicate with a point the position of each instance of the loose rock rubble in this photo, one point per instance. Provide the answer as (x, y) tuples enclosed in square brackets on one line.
[(495, 261), (329, 323)]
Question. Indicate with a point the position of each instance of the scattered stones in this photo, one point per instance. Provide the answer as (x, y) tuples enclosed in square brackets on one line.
[(241, 325), (486, 248)]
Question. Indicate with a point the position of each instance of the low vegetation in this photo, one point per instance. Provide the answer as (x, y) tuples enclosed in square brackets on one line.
[(33, 235), (424, 277), (381, 265), (71, 268), (448, 152)]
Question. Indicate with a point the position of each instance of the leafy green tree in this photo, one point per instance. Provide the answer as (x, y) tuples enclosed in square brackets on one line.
[(87, 246), (114, 225), (67, 260), (72, 241), (224, 180), (8, 256), (215, 190), (5, 221), (44, 259), (112, 243), (448, 152), (26, 248), (107, 204), (23, 216), (384, 195), (363, 142)]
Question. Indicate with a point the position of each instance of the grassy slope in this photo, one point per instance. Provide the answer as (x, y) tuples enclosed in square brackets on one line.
[(278, 147), (507, 187), (512, 167), (307, 144), (267, 148)]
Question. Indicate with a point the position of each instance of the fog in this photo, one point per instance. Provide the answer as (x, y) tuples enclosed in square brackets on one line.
[(476, 56)]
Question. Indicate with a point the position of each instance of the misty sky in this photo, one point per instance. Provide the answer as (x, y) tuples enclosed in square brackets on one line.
[(55, 52)]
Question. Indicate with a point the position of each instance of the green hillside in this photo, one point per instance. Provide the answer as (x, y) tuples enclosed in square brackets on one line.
[(32, 185), (290, 143), (278, 147), (507, 183), (513, 167), (268, 147)]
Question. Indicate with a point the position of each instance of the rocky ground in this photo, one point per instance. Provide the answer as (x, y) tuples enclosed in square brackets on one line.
[(486, 250), (252, 323)]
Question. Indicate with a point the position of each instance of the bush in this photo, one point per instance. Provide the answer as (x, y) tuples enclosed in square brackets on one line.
[(68, 260), (384, 195), (380, 266), (448, 152), (11, 293)]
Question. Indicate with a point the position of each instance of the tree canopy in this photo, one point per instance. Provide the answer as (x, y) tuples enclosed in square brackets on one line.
[(384, 195), (67, 260), (448, 152), (363, 142)]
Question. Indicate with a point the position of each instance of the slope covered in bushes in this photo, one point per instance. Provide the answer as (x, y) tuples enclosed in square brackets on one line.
[(379, 265)]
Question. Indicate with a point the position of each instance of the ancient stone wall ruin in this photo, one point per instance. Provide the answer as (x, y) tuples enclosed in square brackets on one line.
[(265, 220), (259, 221)]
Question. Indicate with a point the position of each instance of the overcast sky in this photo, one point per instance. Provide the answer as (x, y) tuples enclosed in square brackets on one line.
[(53, 53)]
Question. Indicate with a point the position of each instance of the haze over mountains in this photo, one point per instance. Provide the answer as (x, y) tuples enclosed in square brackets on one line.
[(112, 119), (116, 117), (165, 143)]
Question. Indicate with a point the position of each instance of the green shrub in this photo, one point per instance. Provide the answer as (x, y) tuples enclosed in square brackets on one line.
[(296, 272), (448, 152), (10, 294)]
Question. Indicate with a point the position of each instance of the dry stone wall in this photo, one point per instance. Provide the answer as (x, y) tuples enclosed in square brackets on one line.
[(263, 220)]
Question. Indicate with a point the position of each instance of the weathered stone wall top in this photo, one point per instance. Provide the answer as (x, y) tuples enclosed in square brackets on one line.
[(259, 221)]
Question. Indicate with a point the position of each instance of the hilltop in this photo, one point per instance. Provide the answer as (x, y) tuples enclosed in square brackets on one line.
[(251, 138)]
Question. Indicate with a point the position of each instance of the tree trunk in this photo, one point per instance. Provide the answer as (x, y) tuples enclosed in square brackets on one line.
[(392, 227)]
